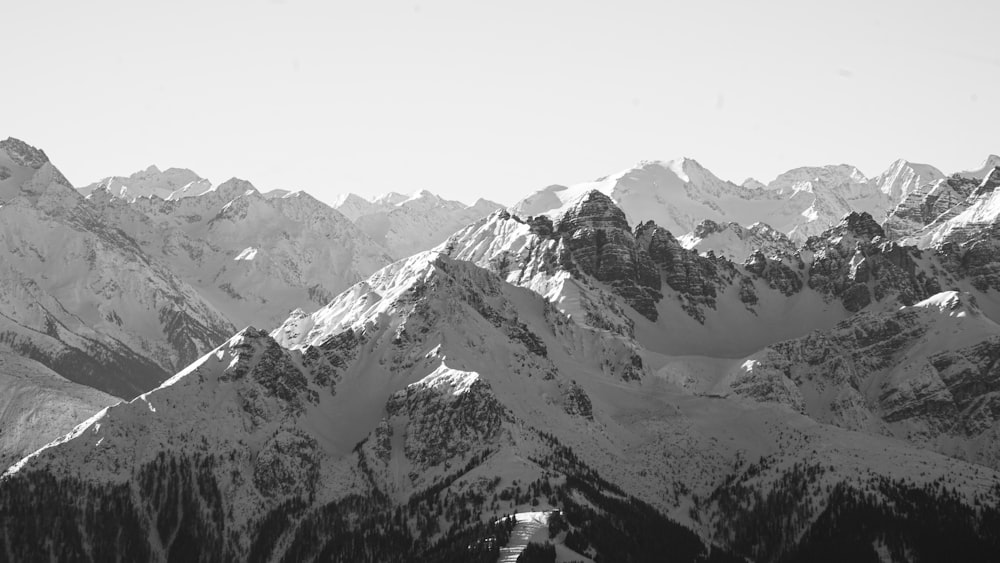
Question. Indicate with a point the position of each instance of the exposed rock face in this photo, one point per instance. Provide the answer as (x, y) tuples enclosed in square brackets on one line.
[(783, 273), (23, 154), (977, 258), (767, 381), (736, 242), (856, 226), (577, 402), (897, 373), (693, 276), (444, 417), (853, 263), (601, 245), (967, 206), (989, 182), (925, 205)]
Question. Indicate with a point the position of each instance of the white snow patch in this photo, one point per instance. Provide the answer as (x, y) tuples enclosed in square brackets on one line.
[(528, 524), (447, 379), (951, 303), (248, 254)]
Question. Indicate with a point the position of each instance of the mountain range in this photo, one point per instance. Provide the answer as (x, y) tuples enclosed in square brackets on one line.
[(656, 364)]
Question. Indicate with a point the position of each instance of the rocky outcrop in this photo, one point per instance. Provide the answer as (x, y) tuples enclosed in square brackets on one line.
[(446, 416), (783, 272), (853, 263), (696, 278), (941, 199), (601, 245), (931, 204), (977, 260), (736, 242), (891, 373)]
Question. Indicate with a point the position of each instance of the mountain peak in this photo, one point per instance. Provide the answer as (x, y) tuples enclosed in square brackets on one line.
[(992, 161), (860, 224), (593, 209), (991, 180), (24, 154), (422, 195), (904, 177), (483, 203), (390, 198), (235, 187), (349, 197)]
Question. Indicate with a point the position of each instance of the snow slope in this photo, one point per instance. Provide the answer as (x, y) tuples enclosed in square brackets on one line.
[(81, 297), (37, 406)]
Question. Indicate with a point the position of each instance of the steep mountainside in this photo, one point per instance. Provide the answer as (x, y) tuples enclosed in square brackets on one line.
[(677, 301), (925, 205), (978, 210), (903, 178), (421, 401), (923, 373), (254, 258), (79, 294), (37, 406)]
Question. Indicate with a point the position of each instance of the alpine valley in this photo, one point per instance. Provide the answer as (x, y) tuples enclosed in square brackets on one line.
[(659, 365)]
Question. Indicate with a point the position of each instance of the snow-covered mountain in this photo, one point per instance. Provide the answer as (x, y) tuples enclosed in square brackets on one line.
[(643, 282), (678, 195), (255, 258), (405, 225), (991, 163), (904, 178), (434, 395), (79, 294), (37, 406), (967, 217), (722, 391), (172, 183), (921, 373)]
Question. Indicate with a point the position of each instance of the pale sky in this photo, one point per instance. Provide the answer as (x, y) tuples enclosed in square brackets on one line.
[(468, 98)]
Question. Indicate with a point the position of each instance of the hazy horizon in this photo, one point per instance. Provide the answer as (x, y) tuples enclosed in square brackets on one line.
[(497, 101)]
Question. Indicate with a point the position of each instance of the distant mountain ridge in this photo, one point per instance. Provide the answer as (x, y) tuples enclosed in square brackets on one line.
[(409, 224)]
